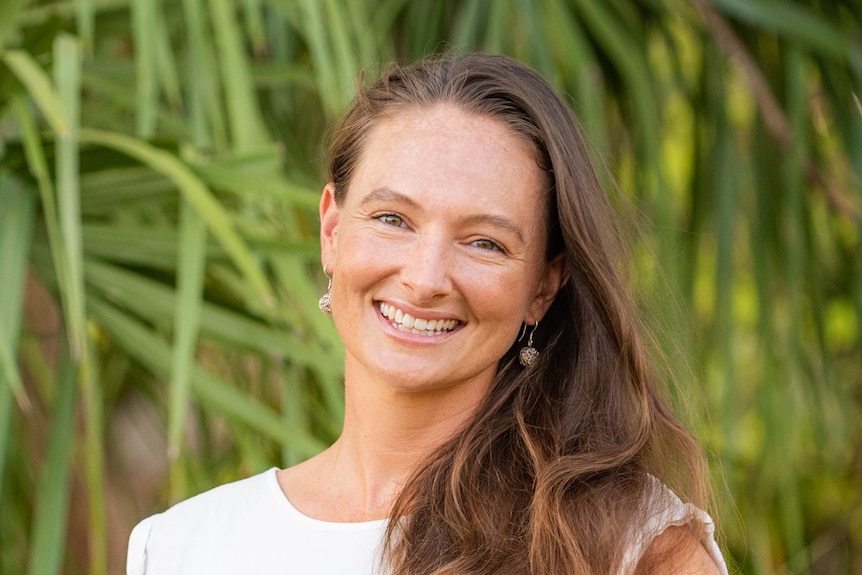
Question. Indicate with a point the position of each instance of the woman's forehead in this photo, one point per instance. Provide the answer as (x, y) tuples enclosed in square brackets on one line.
[(447, 143)]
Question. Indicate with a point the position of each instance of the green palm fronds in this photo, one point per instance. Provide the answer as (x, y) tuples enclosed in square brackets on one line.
[(160, 164)]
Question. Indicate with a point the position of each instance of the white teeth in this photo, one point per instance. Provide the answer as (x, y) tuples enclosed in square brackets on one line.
[(407, 323)]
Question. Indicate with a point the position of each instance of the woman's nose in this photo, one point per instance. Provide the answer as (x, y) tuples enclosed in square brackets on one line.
[(426, 270)]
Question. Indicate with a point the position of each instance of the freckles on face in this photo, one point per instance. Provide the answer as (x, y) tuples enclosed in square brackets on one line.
[(440, 248)]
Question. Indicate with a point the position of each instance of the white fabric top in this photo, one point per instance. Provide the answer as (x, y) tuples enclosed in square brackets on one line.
[(249, 526)]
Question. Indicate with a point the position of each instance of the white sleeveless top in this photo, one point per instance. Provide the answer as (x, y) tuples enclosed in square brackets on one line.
[(249, 526)]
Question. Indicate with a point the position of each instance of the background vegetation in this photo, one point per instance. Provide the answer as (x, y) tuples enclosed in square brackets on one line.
[(159, 269)]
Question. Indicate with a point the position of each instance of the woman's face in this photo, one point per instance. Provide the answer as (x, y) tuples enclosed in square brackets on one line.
[(437, 252)]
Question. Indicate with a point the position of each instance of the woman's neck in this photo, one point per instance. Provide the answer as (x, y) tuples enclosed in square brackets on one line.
[(388, 433)]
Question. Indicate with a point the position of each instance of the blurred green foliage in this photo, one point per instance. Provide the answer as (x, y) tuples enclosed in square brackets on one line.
[(159, 175)]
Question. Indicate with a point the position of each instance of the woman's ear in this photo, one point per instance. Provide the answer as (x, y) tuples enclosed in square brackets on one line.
[(553, 278), (328, 226)]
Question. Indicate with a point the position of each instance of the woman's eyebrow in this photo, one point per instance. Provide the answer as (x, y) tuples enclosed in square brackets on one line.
[(388, 195), (497, 221)]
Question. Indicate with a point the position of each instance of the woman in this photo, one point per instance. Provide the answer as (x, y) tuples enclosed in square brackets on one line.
[(501, 413)]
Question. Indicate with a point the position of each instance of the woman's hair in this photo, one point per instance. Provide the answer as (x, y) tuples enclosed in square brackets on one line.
[(550, 475)]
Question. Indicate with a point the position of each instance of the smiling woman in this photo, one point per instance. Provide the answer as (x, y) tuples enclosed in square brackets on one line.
[(462, 207)]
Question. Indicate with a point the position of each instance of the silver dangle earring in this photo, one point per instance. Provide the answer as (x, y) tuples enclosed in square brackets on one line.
[(325, 301), (528, 354)]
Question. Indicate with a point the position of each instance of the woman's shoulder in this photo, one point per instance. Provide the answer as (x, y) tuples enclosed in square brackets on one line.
[(203, 518), (665, 513), (221, 500)]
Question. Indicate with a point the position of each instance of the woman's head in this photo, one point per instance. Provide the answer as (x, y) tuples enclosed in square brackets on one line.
[(578, 223), (440, 252)]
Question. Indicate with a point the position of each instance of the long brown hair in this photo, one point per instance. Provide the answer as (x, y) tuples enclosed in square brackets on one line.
[(549, 475)]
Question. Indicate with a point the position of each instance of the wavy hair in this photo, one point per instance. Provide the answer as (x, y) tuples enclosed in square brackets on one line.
[(549, 476)]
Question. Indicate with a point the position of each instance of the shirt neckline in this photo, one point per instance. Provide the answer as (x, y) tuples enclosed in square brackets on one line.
[(298, 516)]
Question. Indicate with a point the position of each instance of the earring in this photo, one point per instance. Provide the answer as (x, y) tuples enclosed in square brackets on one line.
[(325, 301), (528, 354)]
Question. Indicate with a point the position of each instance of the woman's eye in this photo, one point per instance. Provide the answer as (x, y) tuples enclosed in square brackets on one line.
[(486, 244), (391, 219)]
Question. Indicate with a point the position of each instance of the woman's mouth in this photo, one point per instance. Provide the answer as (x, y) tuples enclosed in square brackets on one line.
[(407, 323)]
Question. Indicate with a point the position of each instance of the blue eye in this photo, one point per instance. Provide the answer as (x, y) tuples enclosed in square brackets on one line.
[(391, 219)]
